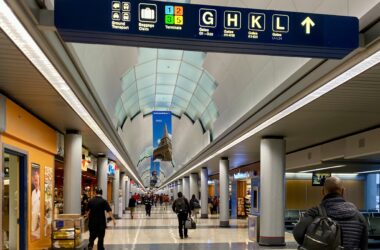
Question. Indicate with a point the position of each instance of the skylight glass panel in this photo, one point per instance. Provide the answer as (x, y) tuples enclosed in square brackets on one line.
[(135, 109), (190, 72), (168, 79), (168, 66), (165, 89), (130, 101), (194, 58), (179, 102), (147, 101), (202, 96), (176, 110), (145, 69), (186, 84), (150, 91), (212, 109), (182, 93), (132, 91), (128, 79), (192, 112), (121, 115), (164, 99), (170, 54), (146, 82), (147, 54), (206, 119), (200, 107), (207, 82), (148, 110)]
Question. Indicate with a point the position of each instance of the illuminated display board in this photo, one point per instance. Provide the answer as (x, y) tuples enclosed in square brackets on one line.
[(206, 28)]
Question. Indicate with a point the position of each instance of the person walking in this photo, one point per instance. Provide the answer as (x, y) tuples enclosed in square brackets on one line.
[(194, 206), (353, 226), (148, 202), (182, 208), (97, 225), (132, 206)]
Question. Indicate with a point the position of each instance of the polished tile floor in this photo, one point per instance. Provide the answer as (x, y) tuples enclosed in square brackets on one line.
[(160, 232)]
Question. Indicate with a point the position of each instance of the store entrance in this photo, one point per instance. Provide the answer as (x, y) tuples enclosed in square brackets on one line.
[(14, 201)]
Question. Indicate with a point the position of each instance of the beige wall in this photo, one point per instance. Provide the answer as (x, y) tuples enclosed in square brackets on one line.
[(300, 194)]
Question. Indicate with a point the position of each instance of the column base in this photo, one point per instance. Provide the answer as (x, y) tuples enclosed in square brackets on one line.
[(224, 224), (116, 216), (204, 216), (272, 241)]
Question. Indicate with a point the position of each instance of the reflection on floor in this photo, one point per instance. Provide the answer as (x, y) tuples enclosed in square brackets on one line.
[(160, 232)]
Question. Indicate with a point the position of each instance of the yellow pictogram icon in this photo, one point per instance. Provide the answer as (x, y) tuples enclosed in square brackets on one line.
[(308, 23)]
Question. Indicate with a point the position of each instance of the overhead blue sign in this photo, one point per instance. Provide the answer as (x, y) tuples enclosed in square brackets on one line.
[(206, 28)]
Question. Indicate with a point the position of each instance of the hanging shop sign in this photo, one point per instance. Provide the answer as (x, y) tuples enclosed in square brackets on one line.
[(206, 28)]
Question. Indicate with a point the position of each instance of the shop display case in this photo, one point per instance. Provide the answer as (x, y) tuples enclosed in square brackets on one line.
[(67, 232)]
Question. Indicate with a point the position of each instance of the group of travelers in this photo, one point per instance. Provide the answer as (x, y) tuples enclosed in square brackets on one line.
[(333, 224)]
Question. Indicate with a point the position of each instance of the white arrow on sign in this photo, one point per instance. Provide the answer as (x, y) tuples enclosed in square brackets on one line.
[(308, 23)]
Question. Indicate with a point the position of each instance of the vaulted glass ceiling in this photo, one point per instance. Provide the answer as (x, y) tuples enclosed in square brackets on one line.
[(168, 80)]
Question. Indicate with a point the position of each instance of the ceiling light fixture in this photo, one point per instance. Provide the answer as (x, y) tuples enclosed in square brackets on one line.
[(369, 172), (330, 85), (319, 169), (14, 29)]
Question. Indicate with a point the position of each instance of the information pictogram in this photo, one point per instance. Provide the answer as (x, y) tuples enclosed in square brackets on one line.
[(147, 13), (173, 15), (207, 18)]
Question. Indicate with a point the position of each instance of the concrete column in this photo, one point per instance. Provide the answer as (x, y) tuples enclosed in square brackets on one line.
[(115, 193), (102, 175), (72, 181), (186, 187), (123, 190), (204, 193), (175, 190), (194, 188), (370, 191), (179, 187), (224, 193), (216, 188), (272, 198)]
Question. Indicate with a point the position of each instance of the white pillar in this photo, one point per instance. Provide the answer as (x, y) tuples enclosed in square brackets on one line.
[(204, 193), (115, 193), (272, 197), (186, 187), (175, 190), (194, 188), (224, 193), (102, 175), (72, 182), (123, 190), (128, 192), (180, 186)]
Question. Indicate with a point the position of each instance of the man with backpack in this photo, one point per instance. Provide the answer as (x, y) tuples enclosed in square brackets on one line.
[(182, 208), (334, 224)]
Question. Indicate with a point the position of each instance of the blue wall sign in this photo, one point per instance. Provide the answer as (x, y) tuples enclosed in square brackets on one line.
[(206, 28)]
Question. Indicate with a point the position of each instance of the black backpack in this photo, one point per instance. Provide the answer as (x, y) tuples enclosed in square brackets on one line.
[(180, 206), (323, 234)]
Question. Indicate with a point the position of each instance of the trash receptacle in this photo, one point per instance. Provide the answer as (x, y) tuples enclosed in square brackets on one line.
[(253, 228)]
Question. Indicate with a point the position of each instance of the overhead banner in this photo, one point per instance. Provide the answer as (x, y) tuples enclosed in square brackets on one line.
[(162, 143), (206, 28)]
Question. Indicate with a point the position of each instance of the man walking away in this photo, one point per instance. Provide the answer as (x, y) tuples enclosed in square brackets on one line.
[(96, 208), (148, 202), (353, 226), (132, 205), (194, 206), (182, 208)]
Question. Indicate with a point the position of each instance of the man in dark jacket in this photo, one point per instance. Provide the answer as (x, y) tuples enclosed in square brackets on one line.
[(182, 208), (96, 208), (353, 225)]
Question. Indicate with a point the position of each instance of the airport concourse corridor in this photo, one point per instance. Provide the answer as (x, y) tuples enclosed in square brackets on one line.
[(160, 232)]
